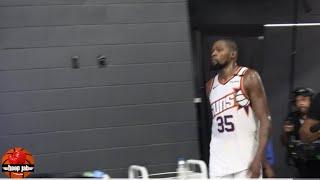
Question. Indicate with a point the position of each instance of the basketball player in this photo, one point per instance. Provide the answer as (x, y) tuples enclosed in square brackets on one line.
[(241, 119)]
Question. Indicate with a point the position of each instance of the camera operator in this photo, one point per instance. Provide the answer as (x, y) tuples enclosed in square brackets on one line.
[(310, 133), (301, 100)]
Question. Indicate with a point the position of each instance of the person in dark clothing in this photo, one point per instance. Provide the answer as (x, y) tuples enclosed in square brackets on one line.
[(313, 120), (302, 98)]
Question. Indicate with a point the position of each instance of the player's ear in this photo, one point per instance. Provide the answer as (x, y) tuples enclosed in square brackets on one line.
[(233, 54)]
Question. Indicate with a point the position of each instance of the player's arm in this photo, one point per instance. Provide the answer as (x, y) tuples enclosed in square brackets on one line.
[(313, 118), (254, 87), (267, 169), (255, 91)]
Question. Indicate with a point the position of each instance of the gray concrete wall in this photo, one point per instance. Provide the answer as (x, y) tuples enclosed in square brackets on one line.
[(136, 110), (307, 64)]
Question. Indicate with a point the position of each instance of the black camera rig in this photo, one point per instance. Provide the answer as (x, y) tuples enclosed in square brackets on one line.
[(299, 151)]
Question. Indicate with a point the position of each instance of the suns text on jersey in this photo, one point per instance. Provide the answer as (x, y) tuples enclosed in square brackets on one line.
[(223, 104)]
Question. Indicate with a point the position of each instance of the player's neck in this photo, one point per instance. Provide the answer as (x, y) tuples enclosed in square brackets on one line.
[(228, 71)]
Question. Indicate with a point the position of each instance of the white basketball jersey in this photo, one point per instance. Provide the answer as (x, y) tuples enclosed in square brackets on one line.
[(234, 127)]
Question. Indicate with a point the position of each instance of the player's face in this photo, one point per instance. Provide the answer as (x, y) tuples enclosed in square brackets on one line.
[(220, 53), (303, 103)]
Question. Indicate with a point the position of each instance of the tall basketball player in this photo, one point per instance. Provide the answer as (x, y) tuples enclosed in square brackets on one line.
[(241, 119)]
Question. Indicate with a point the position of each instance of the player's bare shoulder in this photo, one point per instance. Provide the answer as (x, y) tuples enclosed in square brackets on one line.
[(251, 79), (254, 87), (251, 74)]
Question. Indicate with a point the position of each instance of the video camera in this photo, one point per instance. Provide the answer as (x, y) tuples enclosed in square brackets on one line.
[(299, 151)]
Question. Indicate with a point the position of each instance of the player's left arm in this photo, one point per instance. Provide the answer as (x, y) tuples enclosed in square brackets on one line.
[(255, 91)]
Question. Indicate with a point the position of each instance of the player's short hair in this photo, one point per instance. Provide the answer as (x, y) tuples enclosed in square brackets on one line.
[(231, 44)]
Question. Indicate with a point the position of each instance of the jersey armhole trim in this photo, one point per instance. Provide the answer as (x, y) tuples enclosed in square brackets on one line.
[(242, 85)]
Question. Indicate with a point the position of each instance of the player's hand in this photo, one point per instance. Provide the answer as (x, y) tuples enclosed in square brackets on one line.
[(268, 172), (254, 169)]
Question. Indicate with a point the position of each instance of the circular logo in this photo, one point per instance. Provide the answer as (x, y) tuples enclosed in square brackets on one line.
[(241, 99), (17, 163)]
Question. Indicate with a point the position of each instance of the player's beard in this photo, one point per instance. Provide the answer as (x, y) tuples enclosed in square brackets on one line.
[(216, 66)]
